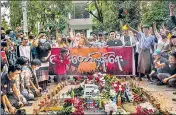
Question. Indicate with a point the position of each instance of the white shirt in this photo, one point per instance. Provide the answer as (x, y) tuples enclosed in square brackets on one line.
[(25, 51)]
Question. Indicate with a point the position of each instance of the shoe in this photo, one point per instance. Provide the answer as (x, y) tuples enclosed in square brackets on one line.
[(173, 99), (160, 83), (174, 93), (168, 86), (49, 81)]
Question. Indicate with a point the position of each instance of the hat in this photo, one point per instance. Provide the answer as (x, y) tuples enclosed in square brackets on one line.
[(157, 52), (145, 26)]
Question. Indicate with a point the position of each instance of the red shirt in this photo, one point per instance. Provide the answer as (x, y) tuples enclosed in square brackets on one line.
[(61, 64)]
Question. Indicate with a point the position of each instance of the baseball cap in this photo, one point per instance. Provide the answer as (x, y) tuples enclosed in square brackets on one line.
[(157, 52)]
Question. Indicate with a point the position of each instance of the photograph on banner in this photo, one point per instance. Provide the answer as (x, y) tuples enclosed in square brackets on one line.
[(83, 61)]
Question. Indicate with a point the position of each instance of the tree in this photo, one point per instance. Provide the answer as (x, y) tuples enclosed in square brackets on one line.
[(156, 11), (114, 14), (15, 14), (4, 24), (46, 13)]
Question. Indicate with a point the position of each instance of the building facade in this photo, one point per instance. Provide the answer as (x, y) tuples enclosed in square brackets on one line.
[(80, 19)]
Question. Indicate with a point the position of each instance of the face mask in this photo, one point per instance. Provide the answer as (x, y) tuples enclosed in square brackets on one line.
[(42, 40), (37, 68), (25, 67)]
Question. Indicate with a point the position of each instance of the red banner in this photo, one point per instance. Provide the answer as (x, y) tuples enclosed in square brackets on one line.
[(115, 60)]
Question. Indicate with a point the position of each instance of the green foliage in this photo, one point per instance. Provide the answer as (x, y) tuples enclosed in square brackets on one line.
[(15, 14), (4, 24), (156, 11), (110, 10), (77, 91), (46, 13)]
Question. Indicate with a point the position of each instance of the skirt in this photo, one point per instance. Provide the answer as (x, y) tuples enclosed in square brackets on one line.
[(42, 73), (144, 61)]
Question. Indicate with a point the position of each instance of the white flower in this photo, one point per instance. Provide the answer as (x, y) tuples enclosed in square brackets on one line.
[(120, 86), (115, 85), (112, 92), (120, 89)]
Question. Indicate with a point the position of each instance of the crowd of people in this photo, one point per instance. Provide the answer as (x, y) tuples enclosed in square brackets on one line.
[(24, 75)]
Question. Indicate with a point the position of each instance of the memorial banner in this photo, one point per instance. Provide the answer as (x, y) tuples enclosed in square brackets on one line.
[(83, 61)]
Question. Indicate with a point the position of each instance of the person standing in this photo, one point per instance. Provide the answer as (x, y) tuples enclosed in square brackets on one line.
[(146, 42), (62, 65), (163, 42), (43, 53), (127, 39), (113, 41), (24, 49)]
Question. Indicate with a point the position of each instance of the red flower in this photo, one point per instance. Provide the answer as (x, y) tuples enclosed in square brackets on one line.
[(69, 100), (89, 77)]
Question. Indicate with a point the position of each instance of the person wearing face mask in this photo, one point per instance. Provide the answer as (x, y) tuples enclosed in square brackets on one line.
[(61, 61), (24, 49), (24, 79), (62, 42), (113, 41), (43, 52), (35, 65), (9, 86)]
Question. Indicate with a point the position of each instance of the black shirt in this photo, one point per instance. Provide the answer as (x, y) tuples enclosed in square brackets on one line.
[(6, 84), (43, 50), (115, 42), (171, 68)]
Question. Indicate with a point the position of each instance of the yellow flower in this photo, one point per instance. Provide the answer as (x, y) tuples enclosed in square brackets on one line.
[(125, 27), (169, 36)]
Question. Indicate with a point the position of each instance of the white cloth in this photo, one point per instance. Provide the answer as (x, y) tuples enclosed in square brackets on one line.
[(132, 41), (25, 51), (163, 45)]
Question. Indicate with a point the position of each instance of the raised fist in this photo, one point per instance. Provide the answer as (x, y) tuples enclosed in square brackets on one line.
[(171, 6)]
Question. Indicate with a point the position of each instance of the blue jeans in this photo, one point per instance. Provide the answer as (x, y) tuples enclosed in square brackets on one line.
[(27, 95)]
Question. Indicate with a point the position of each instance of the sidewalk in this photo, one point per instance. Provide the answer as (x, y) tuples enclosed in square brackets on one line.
[(162, 93)]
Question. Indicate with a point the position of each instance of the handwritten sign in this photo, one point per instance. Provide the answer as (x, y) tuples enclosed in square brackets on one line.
[(117, 60)]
